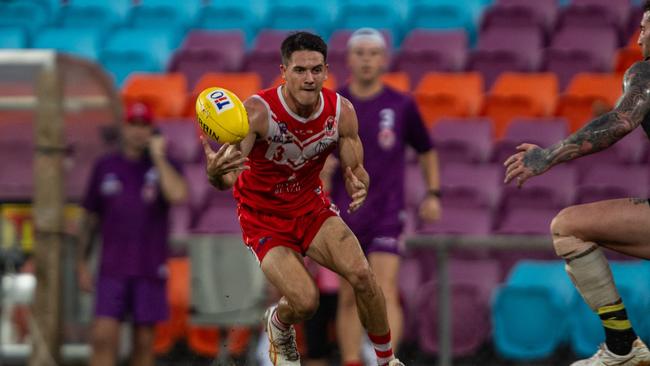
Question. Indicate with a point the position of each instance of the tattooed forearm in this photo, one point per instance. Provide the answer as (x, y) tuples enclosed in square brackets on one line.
[(605, 130)]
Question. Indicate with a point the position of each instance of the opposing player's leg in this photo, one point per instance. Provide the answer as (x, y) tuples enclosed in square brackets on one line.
[(578, 232), (336, 248), (143, 355), (149, 301), (385, 265), (348, 327), (284, 268), (104, 341)]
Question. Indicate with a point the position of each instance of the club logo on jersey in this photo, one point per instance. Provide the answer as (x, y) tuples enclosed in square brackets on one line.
[(221, 101), (330, 126)]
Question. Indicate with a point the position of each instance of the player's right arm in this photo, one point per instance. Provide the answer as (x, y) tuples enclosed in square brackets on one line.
[(224, 165), (597, 135), (88, 228)]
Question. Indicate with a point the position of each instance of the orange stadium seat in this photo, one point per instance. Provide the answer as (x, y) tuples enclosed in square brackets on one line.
[(449, 95), (178, 295), (206, 341), (397, 80), (330, 83), (626, 57), (243, 84), (165, 93), (520, 95), (588, 94)]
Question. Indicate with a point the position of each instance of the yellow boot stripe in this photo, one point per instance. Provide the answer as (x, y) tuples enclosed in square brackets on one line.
[(610, 308), (617, 324)]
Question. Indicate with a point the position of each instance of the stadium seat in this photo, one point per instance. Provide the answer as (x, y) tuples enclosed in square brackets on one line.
[(445, 14), (506, 49), (182, 140), (471, 285), (513, 14), (12, 37), (449, 95), (631, 281), (170, 14), (555, 189), (243, 84), (529, 311), (143, 50), (543, 132), (612, 14), (230, 15), (265, 58), (603, 181), (526, 220), (82, 43), (468, 221), (164, 93), (587, 93), (575, 50), (219, 215), (28, 15), (520, 95), (379, 15), (16, 170), (425, 51), (198, 186), (397, 80), (97, 14), (626, 57), (463, 140), (299, 16), (468, 185), (208, 51)]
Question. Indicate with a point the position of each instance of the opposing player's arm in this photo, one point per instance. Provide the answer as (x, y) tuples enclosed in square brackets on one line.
[(356, 177), (224, 166), (597, 135)]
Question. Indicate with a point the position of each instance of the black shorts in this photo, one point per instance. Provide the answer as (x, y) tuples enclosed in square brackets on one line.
[(317, 329)]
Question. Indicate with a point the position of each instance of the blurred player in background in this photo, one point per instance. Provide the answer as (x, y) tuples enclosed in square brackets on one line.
[(127, 201), (388, 122), (622, 224), (283, 211)]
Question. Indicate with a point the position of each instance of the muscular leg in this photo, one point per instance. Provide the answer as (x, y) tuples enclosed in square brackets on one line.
[(348, 326), (622, 225), (105, 336), (285, 270), (386, 268), (143, 346), (336, 248)]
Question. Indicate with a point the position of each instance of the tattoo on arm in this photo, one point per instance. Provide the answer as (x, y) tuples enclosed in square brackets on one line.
[(605, 130)]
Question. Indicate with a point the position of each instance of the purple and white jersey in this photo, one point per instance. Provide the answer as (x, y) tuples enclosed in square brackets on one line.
[(388, 122), (133, 214)]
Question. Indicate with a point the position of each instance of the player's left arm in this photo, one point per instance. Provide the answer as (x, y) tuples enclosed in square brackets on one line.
[(172, 183), (356, 177), (430, 207)]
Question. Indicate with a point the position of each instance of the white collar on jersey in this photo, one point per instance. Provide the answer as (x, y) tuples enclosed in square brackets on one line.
[(297, 117)]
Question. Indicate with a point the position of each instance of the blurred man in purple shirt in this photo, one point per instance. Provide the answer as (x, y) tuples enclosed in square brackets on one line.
[(127, 201), (388, 122)]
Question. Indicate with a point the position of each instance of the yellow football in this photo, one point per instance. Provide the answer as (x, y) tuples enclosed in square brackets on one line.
[(221, 115)]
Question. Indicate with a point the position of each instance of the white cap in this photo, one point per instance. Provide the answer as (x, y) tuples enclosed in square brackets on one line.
[(367, 34)]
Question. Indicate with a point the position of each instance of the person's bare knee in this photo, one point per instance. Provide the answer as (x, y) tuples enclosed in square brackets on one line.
[(362, 279), (306, 303), (103, 341), (143, 340)]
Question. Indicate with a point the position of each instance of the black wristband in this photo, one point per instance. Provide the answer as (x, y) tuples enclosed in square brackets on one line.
[(434, 193)]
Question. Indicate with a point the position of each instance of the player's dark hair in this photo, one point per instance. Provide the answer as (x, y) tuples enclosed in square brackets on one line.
[(646, 6), (302, 41)]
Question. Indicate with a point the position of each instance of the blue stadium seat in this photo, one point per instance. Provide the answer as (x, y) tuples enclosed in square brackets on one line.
[(231, 15), (12, 37), (632, 282), (164, 13), (446, 14), (84, 43), (376, 15), (305, 16), (529, 312), (28, 15), (128, 50), (94, 13)]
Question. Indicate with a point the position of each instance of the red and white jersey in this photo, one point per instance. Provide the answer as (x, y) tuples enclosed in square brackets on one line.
[(285, 164)]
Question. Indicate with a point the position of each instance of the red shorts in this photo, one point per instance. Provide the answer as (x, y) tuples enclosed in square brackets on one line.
[(263, 231)]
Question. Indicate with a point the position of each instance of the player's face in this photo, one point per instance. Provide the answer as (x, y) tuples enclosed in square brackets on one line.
[(644, 36), (136, 135), (366, 60), (304, 75)]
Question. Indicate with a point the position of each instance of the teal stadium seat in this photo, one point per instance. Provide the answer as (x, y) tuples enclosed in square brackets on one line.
[(12, 37), (379, 15), (231, 15), (304, 16), (446, 14), (146, 50), (84, 43), (529, 311), (26, 14), (102, 14), (631, 278), (164, 13)]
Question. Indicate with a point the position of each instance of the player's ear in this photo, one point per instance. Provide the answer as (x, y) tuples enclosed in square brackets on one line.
[(283, 71)]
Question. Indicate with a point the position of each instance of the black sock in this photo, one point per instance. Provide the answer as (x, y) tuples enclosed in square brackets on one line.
[(619, 334)]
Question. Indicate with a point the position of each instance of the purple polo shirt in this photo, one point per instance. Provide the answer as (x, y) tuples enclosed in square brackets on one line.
[(388, 122), (127, 197)]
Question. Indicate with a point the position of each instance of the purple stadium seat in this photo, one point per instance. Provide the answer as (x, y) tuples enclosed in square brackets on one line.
[(555, 189), (469, 186), (16, 173), (414, 188), (337, 53), (576, 50), (423, 51), (471, 282), (182, 140), (539, 131), (219, 215), (463, 140), (610, 181), (506, 49), (199, 187), (410, 282), (265, 58), (471, 221), (208, 51), (543, 11), (613, 14), (636, 14), (525, 220), (180, 220)]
